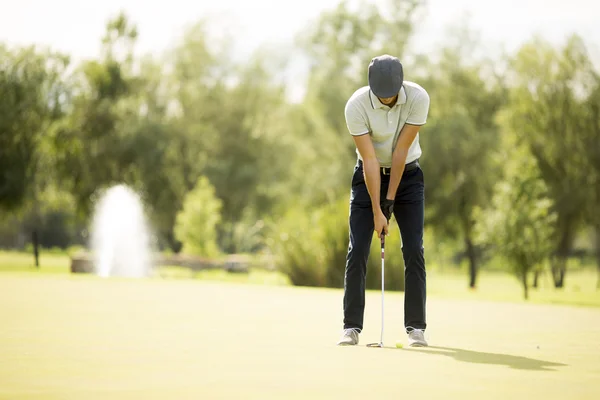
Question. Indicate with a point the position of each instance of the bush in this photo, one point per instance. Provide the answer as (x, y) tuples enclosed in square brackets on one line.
[(196, 223), (296, 240), (246, 236), (311, 247), (519, 224)]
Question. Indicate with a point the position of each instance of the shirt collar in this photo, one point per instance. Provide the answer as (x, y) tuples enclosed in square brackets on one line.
[(375, 103)]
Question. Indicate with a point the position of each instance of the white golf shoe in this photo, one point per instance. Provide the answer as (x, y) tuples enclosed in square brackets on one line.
[(349, 337), (416, 338)]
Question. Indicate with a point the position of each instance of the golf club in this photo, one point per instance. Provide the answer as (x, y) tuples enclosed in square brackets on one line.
[(380, 344)]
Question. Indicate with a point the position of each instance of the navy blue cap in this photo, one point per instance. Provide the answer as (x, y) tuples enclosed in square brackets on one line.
[(385, 76)]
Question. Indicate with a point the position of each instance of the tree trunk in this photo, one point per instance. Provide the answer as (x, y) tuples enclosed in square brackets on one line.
[(174, 244), (561, 275), (559, 264), (36, 253), (598, 254), (525, 286), (536, 277), (559, 267), (554, 269), (472, 256)]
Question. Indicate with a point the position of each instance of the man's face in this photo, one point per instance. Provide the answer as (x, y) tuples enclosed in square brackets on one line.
[(388, 100)]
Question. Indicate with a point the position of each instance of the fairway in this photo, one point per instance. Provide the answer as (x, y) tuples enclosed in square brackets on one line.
[(80, 337)]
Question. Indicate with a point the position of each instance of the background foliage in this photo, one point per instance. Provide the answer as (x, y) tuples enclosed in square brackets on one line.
[(226, 163)]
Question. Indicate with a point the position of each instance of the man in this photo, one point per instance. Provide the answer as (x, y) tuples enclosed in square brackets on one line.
[(384, 120)]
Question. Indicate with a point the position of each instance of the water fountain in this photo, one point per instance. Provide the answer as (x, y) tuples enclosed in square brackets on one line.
[(120, 236)]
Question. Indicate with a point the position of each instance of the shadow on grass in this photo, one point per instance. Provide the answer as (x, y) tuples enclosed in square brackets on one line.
[(477, 357)]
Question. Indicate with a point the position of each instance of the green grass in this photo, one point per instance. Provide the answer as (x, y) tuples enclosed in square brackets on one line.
[(493, 285), (254, 276), (580, 287), (82, 337), (50, 262)]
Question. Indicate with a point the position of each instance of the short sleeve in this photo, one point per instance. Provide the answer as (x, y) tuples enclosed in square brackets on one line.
[(419, 110), (355, 120)]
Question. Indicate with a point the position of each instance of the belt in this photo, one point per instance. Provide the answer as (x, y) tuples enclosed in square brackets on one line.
[(387, 171)]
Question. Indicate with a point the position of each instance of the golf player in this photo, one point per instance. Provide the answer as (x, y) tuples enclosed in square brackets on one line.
[(384, 119)]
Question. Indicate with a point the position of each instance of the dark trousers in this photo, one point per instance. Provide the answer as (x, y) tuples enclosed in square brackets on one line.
[(409, 213)]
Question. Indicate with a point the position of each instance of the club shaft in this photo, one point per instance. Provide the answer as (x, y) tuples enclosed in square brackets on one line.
[(382, 282)]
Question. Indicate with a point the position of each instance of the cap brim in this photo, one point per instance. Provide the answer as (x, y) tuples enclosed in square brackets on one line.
[(385, 93)]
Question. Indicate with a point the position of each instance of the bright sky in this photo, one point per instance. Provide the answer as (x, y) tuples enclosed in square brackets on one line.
[(76, 26)]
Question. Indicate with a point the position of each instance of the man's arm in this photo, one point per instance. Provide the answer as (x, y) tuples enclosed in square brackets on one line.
[(370, 168), (359, 129), (416, 118), (372, 179), (407, 136)]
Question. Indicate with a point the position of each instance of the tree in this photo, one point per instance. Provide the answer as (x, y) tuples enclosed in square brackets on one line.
[(590, 138), (460, 142), (197, 221), (117, 132), (91, 140), (150, 145), (32, 96), (228, 125), (545, 109), (30, 89), (519, 222)]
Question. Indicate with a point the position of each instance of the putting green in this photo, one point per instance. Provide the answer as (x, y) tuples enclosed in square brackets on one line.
[(75, 337)]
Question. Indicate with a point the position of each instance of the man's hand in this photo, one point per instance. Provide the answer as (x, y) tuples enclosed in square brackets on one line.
[(387, 207), (381, 224)]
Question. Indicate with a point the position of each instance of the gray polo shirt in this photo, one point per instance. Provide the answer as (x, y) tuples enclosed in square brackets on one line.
[(365, 114)]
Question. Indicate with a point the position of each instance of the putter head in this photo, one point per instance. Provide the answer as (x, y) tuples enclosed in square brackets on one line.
[(375, 345)]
